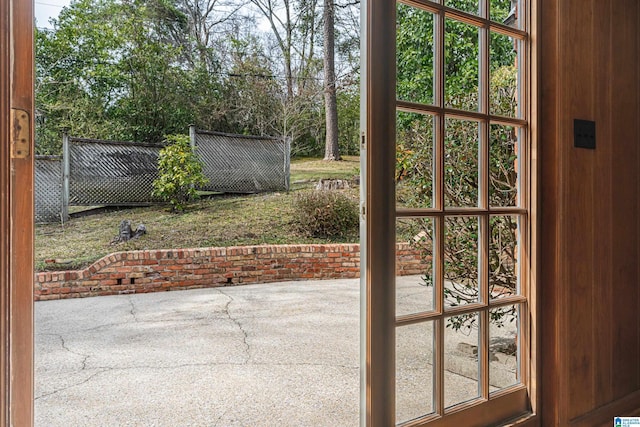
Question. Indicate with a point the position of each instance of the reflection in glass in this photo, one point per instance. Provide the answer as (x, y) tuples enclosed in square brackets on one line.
[(504, 348), (503, 97), (504, 165), (469, 6), (462, 53), (414, 54), (414, 371), (503, 256), (461, 271), (461, 361), (461, 153), (414, 266), (504, 12), (414, 160)]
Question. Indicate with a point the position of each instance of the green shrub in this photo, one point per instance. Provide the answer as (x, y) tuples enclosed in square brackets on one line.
[(322, 213), (179, 173)]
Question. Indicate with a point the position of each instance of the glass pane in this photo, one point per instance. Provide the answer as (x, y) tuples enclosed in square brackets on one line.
[(461, 153), (504, 95), (414, 54), (461, 52), (504, 12), (504, 348), (503, 256), (469, 6), (414, 266), (461, 361), (504, 165), (414, 371), (461, 272), (414, 160)]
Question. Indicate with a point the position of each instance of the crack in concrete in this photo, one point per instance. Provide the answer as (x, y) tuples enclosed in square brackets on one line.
[(86, 380), (240, 405), (115, 324), (238, 323), (103, 369), (63, 344), (208, 364), (133, 310)]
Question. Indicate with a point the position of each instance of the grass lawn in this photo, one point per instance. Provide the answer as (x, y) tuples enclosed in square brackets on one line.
[(218, 221), (314, 169)]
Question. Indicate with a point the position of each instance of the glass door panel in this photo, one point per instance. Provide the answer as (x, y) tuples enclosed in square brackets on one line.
[(461, 208)]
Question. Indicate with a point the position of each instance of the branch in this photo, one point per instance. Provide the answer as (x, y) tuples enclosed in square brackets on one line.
[(346, 5)]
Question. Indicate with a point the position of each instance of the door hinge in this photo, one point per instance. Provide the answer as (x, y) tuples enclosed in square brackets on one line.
[(20, 134)]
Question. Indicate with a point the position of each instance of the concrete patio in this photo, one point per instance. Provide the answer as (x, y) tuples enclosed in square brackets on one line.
[(284, 354)]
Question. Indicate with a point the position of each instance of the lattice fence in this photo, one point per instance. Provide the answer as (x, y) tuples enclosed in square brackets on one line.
[(103, 173), (48, 189), (110, 173), (242, 164)]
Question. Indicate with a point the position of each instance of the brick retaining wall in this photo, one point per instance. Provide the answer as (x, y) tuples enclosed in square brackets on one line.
[(173, 269)]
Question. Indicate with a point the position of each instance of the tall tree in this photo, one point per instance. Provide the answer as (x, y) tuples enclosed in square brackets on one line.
[(293, 28), (279, 17), (331, 150), (140, 69)]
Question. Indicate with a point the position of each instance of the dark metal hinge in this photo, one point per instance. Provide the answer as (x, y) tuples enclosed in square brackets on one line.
[(20, 134)]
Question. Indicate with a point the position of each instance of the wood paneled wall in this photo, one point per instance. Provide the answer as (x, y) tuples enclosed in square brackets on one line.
[(590, 211)]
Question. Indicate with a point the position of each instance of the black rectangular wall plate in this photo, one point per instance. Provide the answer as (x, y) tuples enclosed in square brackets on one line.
[(584, 134)]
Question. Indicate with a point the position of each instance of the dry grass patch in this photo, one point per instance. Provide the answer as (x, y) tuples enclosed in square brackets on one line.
[(306, 170)]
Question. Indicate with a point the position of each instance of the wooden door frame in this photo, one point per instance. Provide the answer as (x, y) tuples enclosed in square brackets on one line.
[(377, 264), (16, 214)]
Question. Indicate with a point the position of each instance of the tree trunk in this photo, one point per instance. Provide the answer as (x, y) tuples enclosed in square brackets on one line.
[(331, 150), (287, 54)]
